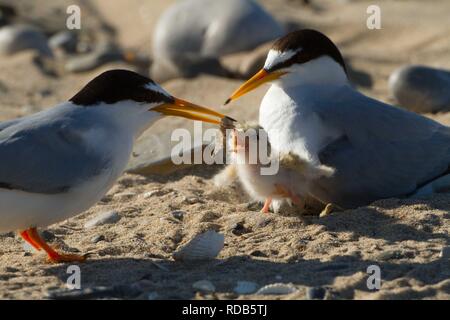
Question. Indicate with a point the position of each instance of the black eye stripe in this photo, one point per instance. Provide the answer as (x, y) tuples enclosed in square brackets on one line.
[(310, 45), (118, 85)]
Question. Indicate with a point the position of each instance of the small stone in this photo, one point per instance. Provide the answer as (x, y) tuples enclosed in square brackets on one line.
[(245, 287), (28, 248), (66, 41), (178, 214), (16, 38), (254, 206), (445, 253), (258, 253), (191, 200), (47, 235), (389, 255), (104, 53), (204, 285), (11, 270), (239, 229), (7, 235), (88, 293), (108, 217), (261, 221), (210, 216), (154, 193), (315, 293), (98, 238)]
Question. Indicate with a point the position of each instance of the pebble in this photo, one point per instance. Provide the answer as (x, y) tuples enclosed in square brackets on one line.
[(66, 41), (16, 38), (315, 293), (98, 238), (277, 289), (154, 193), (11, 269), (204, 285), (104, 53), (389, 255), (445, 253), (191, 200), (28, 248), (47, 235), (108, 217), (239, 229), (245, 287), (178, 214), (420, 88)]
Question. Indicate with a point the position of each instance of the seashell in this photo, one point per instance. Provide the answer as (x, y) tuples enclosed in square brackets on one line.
[(204, 285), (245, 287), (277, 289), (204, 246)]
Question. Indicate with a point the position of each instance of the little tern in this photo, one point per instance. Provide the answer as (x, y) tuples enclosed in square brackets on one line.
[(377, 150), (59, 162)]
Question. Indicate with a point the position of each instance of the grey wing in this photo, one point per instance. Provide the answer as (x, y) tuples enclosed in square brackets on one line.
[(48, 159), (384, 152)]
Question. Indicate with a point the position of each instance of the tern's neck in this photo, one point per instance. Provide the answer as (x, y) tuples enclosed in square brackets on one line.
[(128, 116), (322, 71)]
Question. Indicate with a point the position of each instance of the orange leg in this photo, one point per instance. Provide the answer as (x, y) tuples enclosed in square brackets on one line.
[(267, 203), (26, 237), (32, 237)]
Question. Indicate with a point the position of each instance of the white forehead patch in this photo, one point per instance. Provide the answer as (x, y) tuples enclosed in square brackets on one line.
[(276, 57), (156, 88)]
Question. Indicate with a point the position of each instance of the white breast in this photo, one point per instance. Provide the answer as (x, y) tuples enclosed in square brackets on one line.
[(292, 125), (21, 210)]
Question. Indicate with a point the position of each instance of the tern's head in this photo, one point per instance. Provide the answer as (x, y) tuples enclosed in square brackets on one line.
[(130, 93), (301, 57)]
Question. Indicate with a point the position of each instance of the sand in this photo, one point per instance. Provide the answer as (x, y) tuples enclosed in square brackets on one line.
[(404, 238)]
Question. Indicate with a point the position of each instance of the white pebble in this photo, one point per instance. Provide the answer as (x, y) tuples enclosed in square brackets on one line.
[(108, 217)]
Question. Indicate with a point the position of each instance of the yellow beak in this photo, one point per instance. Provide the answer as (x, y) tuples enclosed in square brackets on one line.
[(257, 80), (184, 109)]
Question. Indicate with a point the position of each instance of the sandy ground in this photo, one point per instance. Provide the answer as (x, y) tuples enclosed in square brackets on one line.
[(403, 237)]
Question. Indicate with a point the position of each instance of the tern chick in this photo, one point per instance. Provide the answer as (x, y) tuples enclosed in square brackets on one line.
[(291, 182)]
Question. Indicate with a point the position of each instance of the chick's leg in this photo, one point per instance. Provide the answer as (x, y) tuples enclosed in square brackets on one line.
[(267, 204)]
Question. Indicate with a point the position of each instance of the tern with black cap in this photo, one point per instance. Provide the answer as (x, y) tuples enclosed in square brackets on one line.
[(311, 109), (59, 162)]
